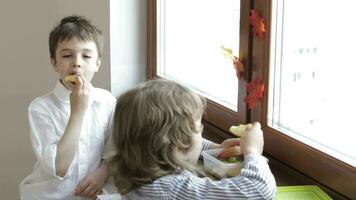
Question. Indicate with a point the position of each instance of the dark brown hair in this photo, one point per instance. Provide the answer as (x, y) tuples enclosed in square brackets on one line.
[(75, 26)]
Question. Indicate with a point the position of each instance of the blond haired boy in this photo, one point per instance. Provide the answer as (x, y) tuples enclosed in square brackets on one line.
[(157, 132)]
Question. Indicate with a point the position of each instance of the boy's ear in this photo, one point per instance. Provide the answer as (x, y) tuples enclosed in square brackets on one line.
[(54, 64), (98, 63)]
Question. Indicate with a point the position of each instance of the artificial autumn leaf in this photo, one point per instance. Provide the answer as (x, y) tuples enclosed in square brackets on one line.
[(238, 66), (255, 91), (227, 53), (257, 23)]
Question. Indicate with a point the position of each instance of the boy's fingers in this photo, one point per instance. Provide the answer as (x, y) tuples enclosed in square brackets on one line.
[(230, 142), (88, 192), (257, 125), (81, 187), (86, 85), (248, 126), (230, 151), (78, 83), (96, 194), (92, 193)]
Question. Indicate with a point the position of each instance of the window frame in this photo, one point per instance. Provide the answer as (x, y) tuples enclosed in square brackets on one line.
[(324, 169), (330, 172)]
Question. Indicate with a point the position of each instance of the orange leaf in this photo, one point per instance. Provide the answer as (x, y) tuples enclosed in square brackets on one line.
[(255, 91), (257, 23), (239, 68)]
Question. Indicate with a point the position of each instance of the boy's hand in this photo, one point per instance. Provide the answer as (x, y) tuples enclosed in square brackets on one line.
[(79, 98), (231, 148), (252, 141), (92, 185)]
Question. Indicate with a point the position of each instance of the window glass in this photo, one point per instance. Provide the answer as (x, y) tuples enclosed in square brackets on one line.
[(312, 74), (189, 36)]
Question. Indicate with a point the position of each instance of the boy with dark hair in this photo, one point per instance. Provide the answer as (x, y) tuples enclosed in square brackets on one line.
[(70, 125)]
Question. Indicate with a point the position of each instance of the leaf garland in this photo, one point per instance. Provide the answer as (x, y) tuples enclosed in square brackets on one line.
[(238, 66), (256, 88), (257, 23), (255, 91)]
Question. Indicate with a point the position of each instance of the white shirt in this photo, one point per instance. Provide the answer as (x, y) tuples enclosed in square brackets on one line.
[(48, 118)]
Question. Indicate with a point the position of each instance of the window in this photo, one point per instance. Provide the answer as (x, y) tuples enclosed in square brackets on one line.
[(307, 91), (305, 61), (177, 32), (191, 43), (297, 112)]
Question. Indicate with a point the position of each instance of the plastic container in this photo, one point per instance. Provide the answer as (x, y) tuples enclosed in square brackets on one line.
[(305, 192), (218, 168)]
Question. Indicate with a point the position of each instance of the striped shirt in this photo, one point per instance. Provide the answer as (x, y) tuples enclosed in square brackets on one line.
[(254, 182)]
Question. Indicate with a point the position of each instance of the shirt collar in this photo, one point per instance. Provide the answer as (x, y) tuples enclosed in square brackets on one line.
[(61, 92)]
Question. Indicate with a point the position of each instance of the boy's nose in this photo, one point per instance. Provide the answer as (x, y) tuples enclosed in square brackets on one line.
[(76, 62)]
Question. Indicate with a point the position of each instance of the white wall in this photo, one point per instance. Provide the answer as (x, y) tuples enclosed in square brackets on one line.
[(128, 43), (25, 70)]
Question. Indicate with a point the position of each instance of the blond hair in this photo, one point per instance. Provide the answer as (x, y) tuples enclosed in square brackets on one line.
[(151, 121)]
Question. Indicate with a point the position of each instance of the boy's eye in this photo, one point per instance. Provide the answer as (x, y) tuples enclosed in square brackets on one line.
[(86, 56), (66, 56)]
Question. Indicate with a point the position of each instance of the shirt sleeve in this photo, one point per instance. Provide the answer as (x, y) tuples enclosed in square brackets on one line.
[(44, 140), (109, 149), (255, 182), (206, 144)]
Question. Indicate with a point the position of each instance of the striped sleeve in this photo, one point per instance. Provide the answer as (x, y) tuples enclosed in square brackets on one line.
[(206, 144), (255, 182)]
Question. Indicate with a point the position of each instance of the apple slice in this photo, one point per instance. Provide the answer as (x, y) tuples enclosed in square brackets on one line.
[(239, 130), (70, 78)]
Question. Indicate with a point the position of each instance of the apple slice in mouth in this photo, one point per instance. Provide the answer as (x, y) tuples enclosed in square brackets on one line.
[(70, 78)]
